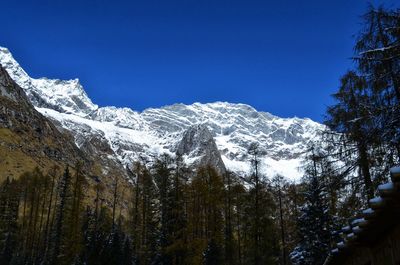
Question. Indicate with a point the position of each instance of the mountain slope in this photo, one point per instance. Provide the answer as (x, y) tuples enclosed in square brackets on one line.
[(27, 138), (123, 135)]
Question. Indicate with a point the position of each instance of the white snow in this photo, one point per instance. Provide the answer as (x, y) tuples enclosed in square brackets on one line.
[(132, 135), (346, 229), (395, 172), (382, 49), (358, 222), (68, 95), (368, 211), (357, 229), (113, 134), (387, 187), (376, 201), (340, 244), (289, 168), (351, 236)]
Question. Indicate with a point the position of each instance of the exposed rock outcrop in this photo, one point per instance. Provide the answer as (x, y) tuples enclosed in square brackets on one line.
[(198, 144)]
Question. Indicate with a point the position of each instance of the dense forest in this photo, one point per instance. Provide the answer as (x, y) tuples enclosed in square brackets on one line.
[(180, 215), (210, 219)]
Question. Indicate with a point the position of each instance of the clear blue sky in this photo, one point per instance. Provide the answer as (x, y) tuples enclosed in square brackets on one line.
[(284, 57)]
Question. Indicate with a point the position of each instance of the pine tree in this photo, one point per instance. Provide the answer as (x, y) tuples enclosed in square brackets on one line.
[(254, 152), (9, 206), (263, 243), (162, 177), (60, 219), (378, 59), (229, 242), (205, 213), (278, 183), (113, 254), (314, 221), (178, 247), (144, 216), (73, 236), (351, 117), (239, 200), (50, 212), (378, 47), (212, 254), (127, 254)]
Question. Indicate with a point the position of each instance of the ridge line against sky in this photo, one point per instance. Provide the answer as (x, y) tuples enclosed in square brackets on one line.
[(282, 57)]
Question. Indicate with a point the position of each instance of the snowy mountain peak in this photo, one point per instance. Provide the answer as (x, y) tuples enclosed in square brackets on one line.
[(67, 96), (219, 132), (13, 68)]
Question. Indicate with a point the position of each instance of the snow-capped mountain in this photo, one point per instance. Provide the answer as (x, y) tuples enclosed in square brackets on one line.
[(125, 135), (65, 96)]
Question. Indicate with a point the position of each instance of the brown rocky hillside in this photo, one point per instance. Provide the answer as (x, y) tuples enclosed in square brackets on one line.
[(29, 140)]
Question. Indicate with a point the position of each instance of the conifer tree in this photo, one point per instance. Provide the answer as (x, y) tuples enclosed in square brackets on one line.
[(378, 48), (351, 117), (163, 179), (73, 235), (212, 254), (113, 247), (60, 219), (254, 152), (127, 254), (278, 182), (263, 243), (378, 59), (314, 224), (229, 242), (178, 247), (239, 201), (144, 216), (9, 206)]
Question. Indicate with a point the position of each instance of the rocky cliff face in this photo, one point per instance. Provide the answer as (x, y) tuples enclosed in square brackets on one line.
[(199, 148), (218, 133), (27, 137)]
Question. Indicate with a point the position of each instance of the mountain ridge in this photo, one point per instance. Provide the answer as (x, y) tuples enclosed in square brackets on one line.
[(132, 135)]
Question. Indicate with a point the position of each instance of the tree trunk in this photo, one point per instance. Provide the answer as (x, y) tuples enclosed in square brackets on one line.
[(364, 165)]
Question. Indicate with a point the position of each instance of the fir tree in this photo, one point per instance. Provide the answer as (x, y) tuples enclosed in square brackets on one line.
[(212, 254), (9, 205), (314, 221), (127, 254), (164, 184), (60, 217)]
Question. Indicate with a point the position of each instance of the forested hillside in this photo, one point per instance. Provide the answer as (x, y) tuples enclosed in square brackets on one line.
[(209, 218)]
